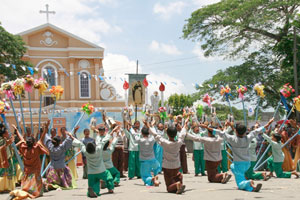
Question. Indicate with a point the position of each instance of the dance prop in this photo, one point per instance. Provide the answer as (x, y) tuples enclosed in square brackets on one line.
[(226, 91), (18, 89), (255, 167), (145, 83), (41, 85), (3, 108), (257, 109), (87, 109), (241, 91), (162, 89), (207, 99), (28, 85), (126, 87), (286, 143), (259, 88)]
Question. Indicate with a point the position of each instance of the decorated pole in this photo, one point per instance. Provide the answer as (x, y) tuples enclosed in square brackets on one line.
[(145, 83), (226, 91), (162, 89), (126, 87), (18, 89), (255, 167), (41, 85), (28, 85), (56, 92), (241, 91), (3, 108), (259, 88)]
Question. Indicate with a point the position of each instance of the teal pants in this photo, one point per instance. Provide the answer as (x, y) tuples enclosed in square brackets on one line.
[(250, 174), (115, 174), (279, 172), (199, 162), (224, 163), (148, 166), (134, 164), (239, 168), (94, 181)]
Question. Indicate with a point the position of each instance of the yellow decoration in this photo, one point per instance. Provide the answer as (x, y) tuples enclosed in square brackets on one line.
[(57, 91), (18, 86), (41, 85), (259, 88), (297, 103)]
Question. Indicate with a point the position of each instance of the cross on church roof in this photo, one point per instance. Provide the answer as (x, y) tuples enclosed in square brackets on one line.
[(47, 12)]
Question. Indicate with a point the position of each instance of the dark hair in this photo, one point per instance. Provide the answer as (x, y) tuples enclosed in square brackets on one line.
[(90, 147), (2, 129), (145, 131), (172, 131), (105, 146), (136, 122), (63, 128), (30, 141), (56, 141), (101, 128), (213, 127), (86, 129), (277, 136), (240, 129)]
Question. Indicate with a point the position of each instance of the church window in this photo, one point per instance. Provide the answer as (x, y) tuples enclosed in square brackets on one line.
[(84, 81), (49, 74)]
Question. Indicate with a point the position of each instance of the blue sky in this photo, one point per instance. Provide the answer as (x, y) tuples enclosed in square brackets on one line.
[(147, 30)]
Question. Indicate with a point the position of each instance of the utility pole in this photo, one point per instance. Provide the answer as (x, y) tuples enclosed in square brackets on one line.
[(295, 69), (137, 71)]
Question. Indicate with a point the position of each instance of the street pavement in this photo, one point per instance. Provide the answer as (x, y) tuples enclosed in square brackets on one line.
[(196, 188)]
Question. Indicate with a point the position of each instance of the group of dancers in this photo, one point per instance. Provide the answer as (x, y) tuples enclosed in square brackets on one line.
[(152, 147)]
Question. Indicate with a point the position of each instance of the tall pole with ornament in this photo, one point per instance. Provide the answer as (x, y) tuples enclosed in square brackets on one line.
[(145, 83), (126, 87), (162, 89)]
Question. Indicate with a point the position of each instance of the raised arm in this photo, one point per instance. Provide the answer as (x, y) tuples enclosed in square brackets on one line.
[(18, 134), (45, 130), (255, 132)]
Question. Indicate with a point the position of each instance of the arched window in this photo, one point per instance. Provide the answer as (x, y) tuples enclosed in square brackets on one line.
[(84, 85), (49, 74)]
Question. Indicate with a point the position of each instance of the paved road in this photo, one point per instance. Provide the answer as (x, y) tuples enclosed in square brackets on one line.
[(196, 188)]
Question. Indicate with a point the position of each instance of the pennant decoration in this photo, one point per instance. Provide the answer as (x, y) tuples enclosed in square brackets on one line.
[(250, 111), (126, 85), (24, 68), (145, 82), (283, 100), (31, 70), (100, 77), (162, 87), (13, 66), (49, 72)]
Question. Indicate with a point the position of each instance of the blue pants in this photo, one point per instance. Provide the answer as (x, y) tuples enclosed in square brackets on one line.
[(239, 168), (148, 166), (158, 151)]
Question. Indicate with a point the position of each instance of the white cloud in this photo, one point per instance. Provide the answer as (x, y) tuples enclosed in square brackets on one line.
[(79, 17), (117, 65), (166, 11), (200, 53), (169, 49), (201, 3)]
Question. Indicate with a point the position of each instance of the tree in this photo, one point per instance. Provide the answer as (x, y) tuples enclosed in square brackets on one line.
[(12, 50), (231, 28), (178, 102)]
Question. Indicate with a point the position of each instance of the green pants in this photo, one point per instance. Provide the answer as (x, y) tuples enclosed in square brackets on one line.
[(250, 174), (199, 162), (224, 164), (134, 164), (279, 172), (94, 181), (115, 174)]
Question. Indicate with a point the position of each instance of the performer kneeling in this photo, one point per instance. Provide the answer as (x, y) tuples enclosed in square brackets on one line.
[(212, 156)]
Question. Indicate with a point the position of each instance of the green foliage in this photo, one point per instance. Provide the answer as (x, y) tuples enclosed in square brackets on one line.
[(258, 31), (178, 102), (12, 50)]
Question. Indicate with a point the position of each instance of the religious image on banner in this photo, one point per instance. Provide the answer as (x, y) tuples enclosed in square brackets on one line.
[(136, 89)]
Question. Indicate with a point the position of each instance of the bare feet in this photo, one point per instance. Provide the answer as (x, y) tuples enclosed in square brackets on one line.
[(110, 191), (180, 188), (226, 178), (296, 174), (266, 177), (255, 188)]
